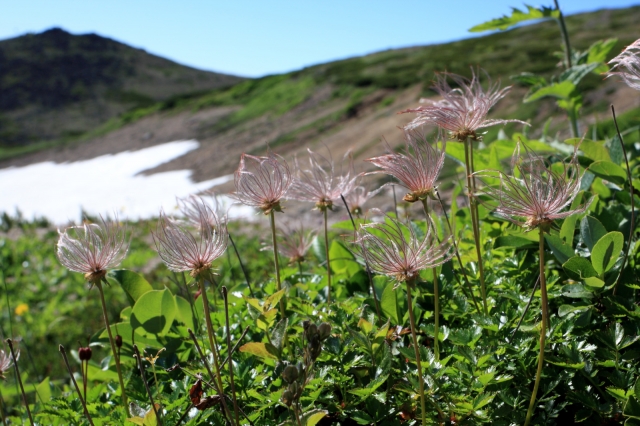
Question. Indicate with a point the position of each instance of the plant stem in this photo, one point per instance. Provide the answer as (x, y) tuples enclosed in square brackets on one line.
[(113, 345), (631, 193), (272, 215), (15, 366), (468, 157), (565, 36), (417, 352), (212, 343), (82, 400), (3, 410), (229, 360), (436, 304), (543, 331), (455, 246), (326, 249), (244, 271), (146, 384)]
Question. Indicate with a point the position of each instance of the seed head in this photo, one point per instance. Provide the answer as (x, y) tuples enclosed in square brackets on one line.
[(461, 111), (417, 169), (538, 196), (629, 59), (92, 248), (295, 243), (262, 182), (358, 197), (394, 249), (320, 184), (183, 250), (6, 362), (195, 209)]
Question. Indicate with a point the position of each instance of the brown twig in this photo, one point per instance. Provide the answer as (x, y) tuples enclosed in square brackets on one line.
[(82, 401), (15, 366)]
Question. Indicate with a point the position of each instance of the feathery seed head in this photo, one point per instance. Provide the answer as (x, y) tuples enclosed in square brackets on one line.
[(183, 251), (295, 243), (6, 362), (538, 196), (394, 249), (262, 182), (630, 60), (92, 248), (357, 197), (417, 169), (320, 184), (461, 111), (195, 210)]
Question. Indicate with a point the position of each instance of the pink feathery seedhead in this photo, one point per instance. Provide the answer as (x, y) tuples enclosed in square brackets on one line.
[(462, 110), (262, 182), (5, 363), (539, 195), (195, 210), (183, 251), (319, 184), (630, 60), (92, 248), (394, 249), (358, 197), (417, 169), (295, 243)]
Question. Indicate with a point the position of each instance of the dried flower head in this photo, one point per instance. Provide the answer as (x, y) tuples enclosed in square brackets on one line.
[(538, 196), (394, 249), (6, 362), (295, 243), (461, 111), (183, 251), (195, 209), (358, 197), (630, 60), (262, 182), (320, 184), (417, 169), (92, 248)]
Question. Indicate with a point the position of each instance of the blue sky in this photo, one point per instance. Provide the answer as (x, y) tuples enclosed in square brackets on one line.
[(260, 37)]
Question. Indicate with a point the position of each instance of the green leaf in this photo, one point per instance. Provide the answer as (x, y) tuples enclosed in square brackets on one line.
[(259, 349), (360, 339), (529, 79), (591, 231), (133, 284), (606, 251), (184, 313), (517, 16), (577, 291), (561, 90), (569, 225), (561, 251), (154, 312), (512, 241), (565, 310), (342, 260), (609, 171), (636, 389), (311, 418), (577, 72), (373, 385), (319, 250), (579, 268), (594, 282), (632, 408), (278, 334), (595, 150), (43, 391), (388, 303), (598, 52)]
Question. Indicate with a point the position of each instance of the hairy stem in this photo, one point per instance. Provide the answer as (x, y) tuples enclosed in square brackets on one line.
[(113, 346), (146, 384), (229, 360), (272, 216), (17, 370), (436, 304), (468, 157), (82, 400), (543, 331), (326, 249), (244, 271), (417, 352), (633, 205)]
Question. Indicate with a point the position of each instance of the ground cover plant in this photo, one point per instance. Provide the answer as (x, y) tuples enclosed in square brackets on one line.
[(507, 296)]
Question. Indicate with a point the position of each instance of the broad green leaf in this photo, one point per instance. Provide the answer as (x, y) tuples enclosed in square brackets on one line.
[(272, 300), (184, 313), (278, 334), (609, 171), (577, 72), (319, 249), (359, 338), (154, 312), (517, 16), (594, 282), (43, 391), (577, 291), (598, 52), (636, 389), (565, 310), (561, 251), (371, 388), (632, 408), (388, 303), (595, 150), (529, 79), (561, 90), (133, 284), (311, 418), (512, 241), (125, 330), (591, 231), (606, 251), (569, 225), (259, 349), (579, 268), (615, 150), (342, 260)]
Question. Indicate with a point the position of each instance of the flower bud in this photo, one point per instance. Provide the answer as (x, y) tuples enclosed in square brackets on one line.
[(118, 340), (311, 332), (290, 374), (84, 354), (287, 397), (324, 331)]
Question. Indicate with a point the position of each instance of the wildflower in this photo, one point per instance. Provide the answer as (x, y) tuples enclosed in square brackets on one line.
[(320, 184), (196, 210), (538, 197), (417, 169), (629, 59), (463, 110), (21, 309), (265, 184), (358, 196), (92, 248), (295, 243), (394, 249), (182, 251), (6, 363)]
